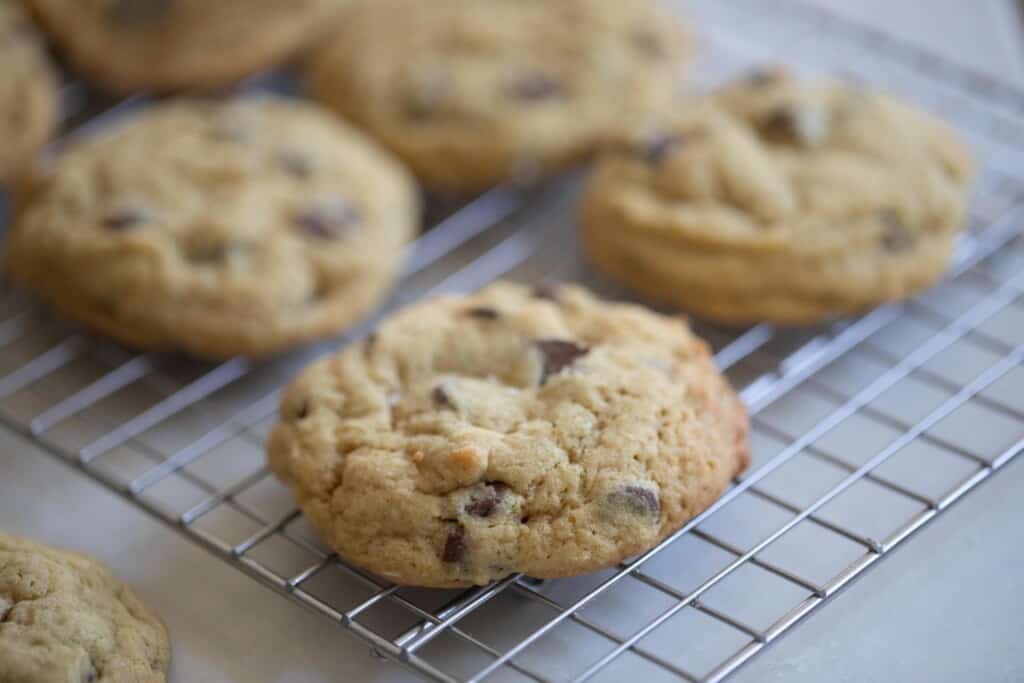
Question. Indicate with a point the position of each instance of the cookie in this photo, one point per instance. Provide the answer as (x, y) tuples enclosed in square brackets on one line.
[(65, 617), (540, 430), (242, 227), (778, 200), (471, 92), (28, 90), (131, 45)]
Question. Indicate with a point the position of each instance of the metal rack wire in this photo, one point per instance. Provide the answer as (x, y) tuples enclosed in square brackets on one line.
[(861, 429)]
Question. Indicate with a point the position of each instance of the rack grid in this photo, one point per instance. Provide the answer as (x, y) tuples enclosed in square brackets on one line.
[(863, 431)]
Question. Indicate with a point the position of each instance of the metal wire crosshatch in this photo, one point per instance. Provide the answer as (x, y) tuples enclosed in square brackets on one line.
[(861, 429)]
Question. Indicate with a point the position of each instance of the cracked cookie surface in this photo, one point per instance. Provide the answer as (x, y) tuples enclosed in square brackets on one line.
[(469, 92), (65, 617), (774, 199), (131, 45), (541, 431), (28, 90), (241, 227)]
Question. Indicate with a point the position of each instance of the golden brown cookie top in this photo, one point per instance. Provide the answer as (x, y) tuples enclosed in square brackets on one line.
[(227, 227), (471, 91), (131, 45), (514, 430), (28, 90), (772, 162)]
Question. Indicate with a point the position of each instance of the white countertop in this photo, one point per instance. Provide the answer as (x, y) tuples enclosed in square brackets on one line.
[(945, 606)]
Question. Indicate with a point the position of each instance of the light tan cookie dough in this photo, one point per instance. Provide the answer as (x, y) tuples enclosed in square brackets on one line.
[(541, 431), (470, 92), (28, 91), (781, 201), (242, 227), (64, 617), (131, 45)]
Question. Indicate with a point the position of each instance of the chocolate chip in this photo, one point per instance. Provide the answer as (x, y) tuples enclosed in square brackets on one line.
[(636, 500), (558, 354), (294, 164), (441, 397), (455, 544), (801, 124), (548, 291), (299, 410), (136, 13), (487, 500), (896, 238), (328, 220), (661, 148), (125, 219), (649, 43), (537, 87), (483, 313)]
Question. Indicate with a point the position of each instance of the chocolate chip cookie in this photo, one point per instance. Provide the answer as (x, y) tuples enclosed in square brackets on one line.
[(470, 92), (28, 90), (778, 200), (240, 227), (130, 45), (515, 430), (65, 617)]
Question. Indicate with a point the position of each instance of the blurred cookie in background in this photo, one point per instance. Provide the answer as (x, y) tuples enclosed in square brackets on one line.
[(472, 92), (132, 45), (779, 200), (28, 90), (66, 617), (219, 228)]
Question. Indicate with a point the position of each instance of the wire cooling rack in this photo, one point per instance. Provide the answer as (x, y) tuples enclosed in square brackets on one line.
[(864, 431)]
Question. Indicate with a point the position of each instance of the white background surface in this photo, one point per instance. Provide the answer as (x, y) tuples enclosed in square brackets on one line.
[(945, 607)]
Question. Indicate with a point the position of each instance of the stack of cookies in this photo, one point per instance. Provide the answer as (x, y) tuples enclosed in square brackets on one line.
[(468, 438)]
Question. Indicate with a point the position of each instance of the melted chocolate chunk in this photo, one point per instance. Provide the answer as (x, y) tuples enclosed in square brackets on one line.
[(896, 238), (294, 164), (483, 313), (558, 354), (486, 502), (455, 544), (125, 219), (138, 13), (441, 397), (537, 87), (798, 124), (636, 500), (329, 220)]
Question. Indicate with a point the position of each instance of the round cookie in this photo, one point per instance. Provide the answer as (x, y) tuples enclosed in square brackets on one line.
[(775, 200), (65, 617), (28, 90), (471, 92), (131, 45), (242, 227), (541, 431)]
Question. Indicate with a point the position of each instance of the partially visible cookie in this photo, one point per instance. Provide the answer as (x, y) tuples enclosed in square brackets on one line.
[(783, 201), (241, 227), (540, 430), (470, 92), (65, 617), (131, 45), (28, 90)]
